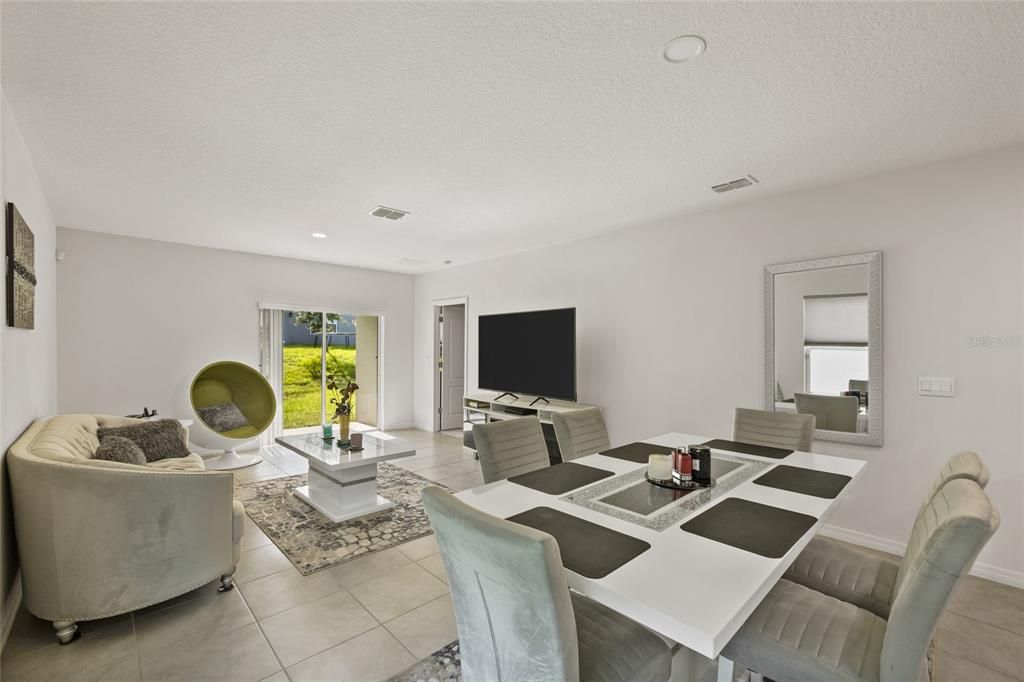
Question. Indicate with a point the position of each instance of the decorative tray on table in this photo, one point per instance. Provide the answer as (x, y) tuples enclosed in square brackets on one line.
[(678, 485), (633, 498)]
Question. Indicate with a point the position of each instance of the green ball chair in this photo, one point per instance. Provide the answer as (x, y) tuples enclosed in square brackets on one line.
[(238, 383)]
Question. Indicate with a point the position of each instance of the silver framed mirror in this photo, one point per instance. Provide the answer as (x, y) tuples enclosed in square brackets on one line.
[(823, 344)]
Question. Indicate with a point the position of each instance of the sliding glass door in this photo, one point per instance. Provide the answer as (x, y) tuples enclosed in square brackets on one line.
[(317, 346)]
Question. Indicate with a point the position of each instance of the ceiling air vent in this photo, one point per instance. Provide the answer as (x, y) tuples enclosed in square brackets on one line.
[(412, 262), (389, 213), (735, 184)]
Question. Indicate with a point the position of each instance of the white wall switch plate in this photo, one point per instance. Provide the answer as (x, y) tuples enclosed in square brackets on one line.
[(942, 387)]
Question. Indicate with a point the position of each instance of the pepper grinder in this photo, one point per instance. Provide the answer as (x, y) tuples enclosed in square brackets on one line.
[(701, 455)]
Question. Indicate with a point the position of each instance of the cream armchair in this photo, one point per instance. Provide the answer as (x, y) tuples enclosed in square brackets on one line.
[(99, 538)]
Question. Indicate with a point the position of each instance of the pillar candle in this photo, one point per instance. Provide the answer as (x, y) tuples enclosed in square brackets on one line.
[(659, 467)]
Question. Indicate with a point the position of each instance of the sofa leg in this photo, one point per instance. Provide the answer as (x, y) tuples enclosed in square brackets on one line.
[(67, 631), (227, 582)]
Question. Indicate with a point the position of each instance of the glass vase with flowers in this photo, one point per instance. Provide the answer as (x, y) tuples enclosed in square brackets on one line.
[(341, 398)]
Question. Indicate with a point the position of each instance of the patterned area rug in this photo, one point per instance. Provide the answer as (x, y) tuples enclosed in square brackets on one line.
[(443, 665), (313, 542)]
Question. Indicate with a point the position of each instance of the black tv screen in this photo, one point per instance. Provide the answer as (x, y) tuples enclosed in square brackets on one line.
[(533, 353)]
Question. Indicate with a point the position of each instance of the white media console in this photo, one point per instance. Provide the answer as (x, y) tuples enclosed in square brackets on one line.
[(480, 408)]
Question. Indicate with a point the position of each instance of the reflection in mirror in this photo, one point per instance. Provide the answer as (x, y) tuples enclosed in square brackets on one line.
[(823, 344)]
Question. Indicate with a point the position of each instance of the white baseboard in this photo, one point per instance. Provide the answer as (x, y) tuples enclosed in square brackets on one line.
[(855, 537), (999, 575), (12, 602), (980, 569)]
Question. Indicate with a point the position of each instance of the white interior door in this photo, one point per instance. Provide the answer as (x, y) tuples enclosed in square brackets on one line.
[(452, 364)]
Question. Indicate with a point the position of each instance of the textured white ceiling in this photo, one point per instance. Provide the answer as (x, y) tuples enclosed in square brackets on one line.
[(501, 127)]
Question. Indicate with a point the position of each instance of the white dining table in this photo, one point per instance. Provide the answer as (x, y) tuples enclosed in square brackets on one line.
[(690, 589)]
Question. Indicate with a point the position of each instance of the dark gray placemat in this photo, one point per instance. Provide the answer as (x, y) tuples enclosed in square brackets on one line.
[(747, 448), (591, 550), (560, 478), (758, 528), (804, 481), (637, 452)]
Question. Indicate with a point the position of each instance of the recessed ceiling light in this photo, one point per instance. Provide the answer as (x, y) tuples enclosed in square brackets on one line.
[(319, 235), (683, 48)]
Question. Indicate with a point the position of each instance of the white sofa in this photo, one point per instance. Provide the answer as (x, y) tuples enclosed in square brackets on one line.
[(99, 538)]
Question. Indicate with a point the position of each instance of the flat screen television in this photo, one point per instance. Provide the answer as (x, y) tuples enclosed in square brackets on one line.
[(533, 353)]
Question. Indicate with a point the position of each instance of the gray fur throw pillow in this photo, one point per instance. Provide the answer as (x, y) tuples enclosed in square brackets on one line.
[(119, 449), (158, 440), (222, 417)]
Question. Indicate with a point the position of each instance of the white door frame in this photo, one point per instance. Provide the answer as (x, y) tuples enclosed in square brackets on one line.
[(438, 304)]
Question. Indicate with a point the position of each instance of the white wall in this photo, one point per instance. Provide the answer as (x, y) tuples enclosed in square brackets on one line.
[(29, 357), (139, 318), (670, 324)]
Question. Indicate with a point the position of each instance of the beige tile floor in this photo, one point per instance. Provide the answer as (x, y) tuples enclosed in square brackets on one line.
[(371, 618)]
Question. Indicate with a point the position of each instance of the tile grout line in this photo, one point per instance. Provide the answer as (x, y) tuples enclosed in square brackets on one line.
[(983, 622), (379, 623), (416, 659), (32, 651), (263, 635), (980, 665), (270, 544), (341, 588), (400, 642), (447, 591), (210, 598), (290, 565), (951, 654), (344, 587), (138, 650), (54, 643), (333, 646)]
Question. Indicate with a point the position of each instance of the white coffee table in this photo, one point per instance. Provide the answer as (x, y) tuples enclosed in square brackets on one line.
[(343, 484)]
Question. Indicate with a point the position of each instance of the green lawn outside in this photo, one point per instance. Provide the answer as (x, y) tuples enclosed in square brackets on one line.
[(301, 382)]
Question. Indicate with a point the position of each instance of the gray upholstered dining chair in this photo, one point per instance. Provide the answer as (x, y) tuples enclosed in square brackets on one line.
[(580, 433), (517, 619), (773, 429), (861, 386), (832, 412), (862, 579), (800, 634), (510, 447)]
